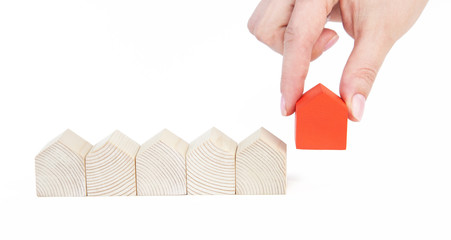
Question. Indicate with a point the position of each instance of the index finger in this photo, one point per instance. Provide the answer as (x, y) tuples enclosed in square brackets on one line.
[(304, 28)]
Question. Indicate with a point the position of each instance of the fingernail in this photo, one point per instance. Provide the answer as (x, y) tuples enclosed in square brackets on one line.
[(358, 106), (283, 109), (331, 42)]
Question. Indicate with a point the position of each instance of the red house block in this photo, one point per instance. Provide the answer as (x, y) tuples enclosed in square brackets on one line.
[(321, 120)]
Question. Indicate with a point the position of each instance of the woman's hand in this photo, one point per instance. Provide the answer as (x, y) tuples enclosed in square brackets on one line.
[(295, 29)]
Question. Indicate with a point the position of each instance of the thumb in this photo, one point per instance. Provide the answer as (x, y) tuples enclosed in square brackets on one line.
[(360, 72)]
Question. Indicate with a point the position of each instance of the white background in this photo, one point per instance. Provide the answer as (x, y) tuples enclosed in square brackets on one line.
[(141, 66)]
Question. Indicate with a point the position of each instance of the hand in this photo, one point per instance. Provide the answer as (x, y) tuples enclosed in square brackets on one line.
[(295, 29)]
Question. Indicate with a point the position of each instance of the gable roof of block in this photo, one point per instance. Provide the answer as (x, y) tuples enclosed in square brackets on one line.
[(320, 90)]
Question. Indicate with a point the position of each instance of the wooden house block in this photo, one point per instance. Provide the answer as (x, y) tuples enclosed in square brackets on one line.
[(160, 166), (60, 167), (321, 120), (210, 164), (110, 167), (261, 164)]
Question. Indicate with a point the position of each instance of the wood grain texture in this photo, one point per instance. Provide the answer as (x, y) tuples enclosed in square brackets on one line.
[(160, 166), (60, 167), (261, 164), (110, 167), (210, 164)]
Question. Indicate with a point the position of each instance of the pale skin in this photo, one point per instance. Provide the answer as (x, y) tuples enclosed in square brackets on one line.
[(295, 29)]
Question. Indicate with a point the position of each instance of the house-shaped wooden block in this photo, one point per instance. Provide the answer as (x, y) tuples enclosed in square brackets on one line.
[(110, 167), (160, 166), (60, 167), (210, 164), (321, 120), (261, 164)]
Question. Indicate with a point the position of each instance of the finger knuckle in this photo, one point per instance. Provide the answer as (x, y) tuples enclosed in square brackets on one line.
[(290, 34), (361, 79), (367, 75), (265, 36)]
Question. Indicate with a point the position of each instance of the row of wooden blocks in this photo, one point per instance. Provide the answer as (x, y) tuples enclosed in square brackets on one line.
[(164, 165)]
